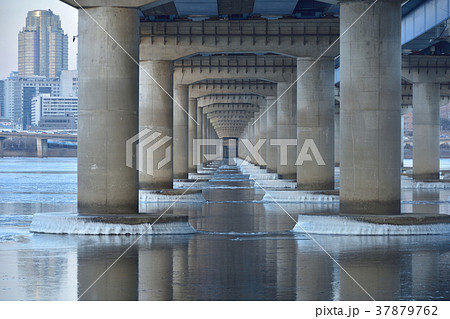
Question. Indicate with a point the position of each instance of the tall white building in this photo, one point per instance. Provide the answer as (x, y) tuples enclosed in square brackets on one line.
[(59, 111), (13, 98), (2, 100), (68, 82)]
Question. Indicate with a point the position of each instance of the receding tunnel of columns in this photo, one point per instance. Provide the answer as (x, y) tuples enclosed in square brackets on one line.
[(173, 61)]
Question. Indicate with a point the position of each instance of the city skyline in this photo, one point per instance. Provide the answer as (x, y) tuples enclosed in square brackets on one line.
[(14, 17)]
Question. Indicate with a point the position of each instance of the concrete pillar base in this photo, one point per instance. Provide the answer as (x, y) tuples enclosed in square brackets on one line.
[(355, 207)]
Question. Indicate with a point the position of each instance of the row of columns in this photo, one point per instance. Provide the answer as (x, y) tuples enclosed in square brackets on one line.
[(370, 112)]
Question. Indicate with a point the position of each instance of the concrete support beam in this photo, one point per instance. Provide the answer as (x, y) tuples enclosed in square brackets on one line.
[(192, 133), (155, 113), (294, 37), (41, 147), (180, 131), (370, 107), (232, 87), (315, 121), (426, 116), (107, 109), (230, 98), (286, 129)]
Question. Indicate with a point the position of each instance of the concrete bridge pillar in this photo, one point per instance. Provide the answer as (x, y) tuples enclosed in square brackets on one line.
[(242, 150), (370, 107), (402, 140), (180, 131), (337, 138), (286, 130), (315, 121), (255, 127), (426, 117), (204, 136), (271, 123), (155, 113), (192, 134), (107, 109), (41, 147), (263, 132), (199, 128)]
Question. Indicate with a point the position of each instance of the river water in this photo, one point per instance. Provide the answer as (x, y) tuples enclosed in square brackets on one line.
[(242, 250)]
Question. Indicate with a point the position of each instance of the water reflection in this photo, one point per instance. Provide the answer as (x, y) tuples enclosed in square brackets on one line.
[(244, 251), (206, 267)]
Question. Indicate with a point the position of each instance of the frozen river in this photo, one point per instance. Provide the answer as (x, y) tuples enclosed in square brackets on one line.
[(242, 250)]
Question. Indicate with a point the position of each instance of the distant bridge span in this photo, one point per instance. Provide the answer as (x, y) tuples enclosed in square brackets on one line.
[(41, 140)]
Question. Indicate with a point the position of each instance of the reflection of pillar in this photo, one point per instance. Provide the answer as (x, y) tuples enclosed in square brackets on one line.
[(41, 147), (120, 282), (180, 131), (192, 133), (424, 274), (271, 118), (155, 113), (107, 109), (180, 273), (286, 128), (155, 274), (370, 107), (426, 116), (378, 274), (426, 195), (286, 269), (315, 122), (314, 276)]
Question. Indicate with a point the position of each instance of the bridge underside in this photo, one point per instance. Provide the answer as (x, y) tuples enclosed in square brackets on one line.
[(252, 71)]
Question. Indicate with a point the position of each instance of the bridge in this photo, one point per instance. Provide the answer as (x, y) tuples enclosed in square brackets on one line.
[(41, 140), (260, 69)]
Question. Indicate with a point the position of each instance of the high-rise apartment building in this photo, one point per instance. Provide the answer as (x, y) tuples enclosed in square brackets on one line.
[(2, 99), (43, 46), (13, 97)]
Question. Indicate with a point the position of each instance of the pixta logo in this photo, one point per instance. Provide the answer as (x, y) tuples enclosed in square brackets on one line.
[(147, 142)]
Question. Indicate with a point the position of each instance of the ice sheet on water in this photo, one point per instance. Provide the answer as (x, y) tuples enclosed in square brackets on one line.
[(71, 224), (340, 225)]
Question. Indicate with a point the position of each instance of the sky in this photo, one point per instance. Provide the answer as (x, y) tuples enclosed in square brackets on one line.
[(13, 14)]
